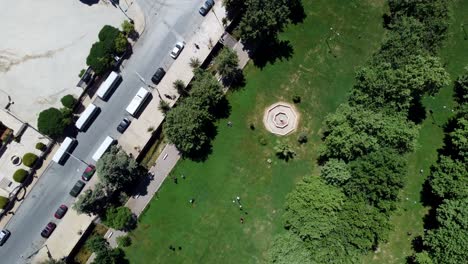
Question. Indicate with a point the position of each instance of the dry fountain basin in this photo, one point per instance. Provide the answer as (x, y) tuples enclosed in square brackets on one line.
[(281, 118)]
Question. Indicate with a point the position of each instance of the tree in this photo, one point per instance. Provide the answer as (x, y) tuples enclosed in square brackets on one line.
[(164, 107), (377, 178), (110, 256), (284, 151), (68, 101), (179, 85), (206, 92), (128, 28), (352, 132), (433, 14), (117, 170), (120, 218), (458, 139), (335, 172), (421, 258), (97, 244), (92, 201), (50, 122), (227, 63), (121, 43), (288, 248), (186, 127), (447, 243), (360, 228), (108, 33), (124, 241), (382, 86), (100, 57), (263, 19), (461, 88), (449, 178), (195, 63), (312, 209)]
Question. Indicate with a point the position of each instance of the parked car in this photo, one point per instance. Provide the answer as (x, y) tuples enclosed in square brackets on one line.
[(88, 173), (206, 7), (61, 211), (123, 125), (179, 46), (158, 75), (47, 231), (4, 235), (79, 185)]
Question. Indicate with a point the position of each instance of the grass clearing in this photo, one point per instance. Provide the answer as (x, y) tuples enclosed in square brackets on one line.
[(408, 220), (209, 231)]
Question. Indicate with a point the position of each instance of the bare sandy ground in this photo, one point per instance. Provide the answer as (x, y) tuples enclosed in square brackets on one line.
[(44, 46)]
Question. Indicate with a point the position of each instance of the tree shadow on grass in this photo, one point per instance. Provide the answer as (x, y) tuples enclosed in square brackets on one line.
[(297, 12), (270, 52), (417, 111), (222, 110)]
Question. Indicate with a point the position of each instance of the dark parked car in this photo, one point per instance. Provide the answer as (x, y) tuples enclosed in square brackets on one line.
[(123, 125), (61, 211), (79, 185), (4, 235), (47, 231), (206, 7), (158, 75), (88, 173)]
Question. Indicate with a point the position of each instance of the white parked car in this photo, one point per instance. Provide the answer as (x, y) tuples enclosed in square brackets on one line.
[(179, 46), (4, 235)]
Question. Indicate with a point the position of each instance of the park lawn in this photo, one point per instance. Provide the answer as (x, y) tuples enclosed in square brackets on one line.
[(408, 220), (209, 231)]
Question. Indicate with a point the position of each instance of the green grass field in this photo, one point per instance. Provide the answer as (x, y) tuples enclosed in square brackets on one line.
[(210, 230), (408, 221)]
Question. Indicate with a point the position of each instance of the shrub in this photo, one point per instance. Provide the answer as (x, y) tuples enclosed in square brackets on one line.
[(3, 202), (262, 141), (41, 146), (20, 175), (82, 72), (29, 159), (124, 241), (108, 33), (68, 101), (120, 218), (50, 122), (164, 107), (128, 28), (121, 43), (302, 139), (296, 99)]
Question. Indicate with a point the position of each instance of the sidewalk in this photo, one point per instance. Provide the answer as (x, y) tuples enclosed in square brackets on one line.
[(140, 130)]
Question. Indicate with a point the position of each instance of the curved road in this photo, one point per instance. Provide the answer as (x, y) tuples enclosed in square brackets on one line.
[(167, 21)]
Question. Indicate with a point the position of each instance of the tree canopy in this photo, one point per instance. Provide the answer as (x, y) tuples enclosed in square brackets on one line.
[(117, 170), (51, 122), (227, 63), (352, 132), (92, 201), (120, 218)]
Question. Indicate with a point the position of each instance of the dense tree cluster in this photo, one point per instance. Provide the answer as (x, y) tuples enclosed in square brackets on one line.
[(117, 173), (446, 242), (188, 124), (344, 213), (111, 42)]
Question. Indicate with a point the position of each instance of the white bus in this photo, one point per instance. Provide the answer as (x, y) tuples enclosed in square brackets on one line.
[(107, 85), (86, 116), (67, 144), (102, 149), (137, 101)]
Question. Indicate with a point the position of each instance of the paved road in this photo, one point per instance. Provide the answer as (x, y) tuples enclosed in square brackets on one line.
[(167, 21)]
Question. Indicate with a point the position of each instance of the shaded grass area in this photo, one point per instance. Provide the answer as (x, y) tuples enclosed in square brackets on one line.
[(408, 220), (209, 230)]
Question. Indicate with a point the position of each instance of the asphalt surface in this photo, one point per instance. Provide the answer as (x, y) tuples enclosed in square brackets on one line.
[(167, 22)]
